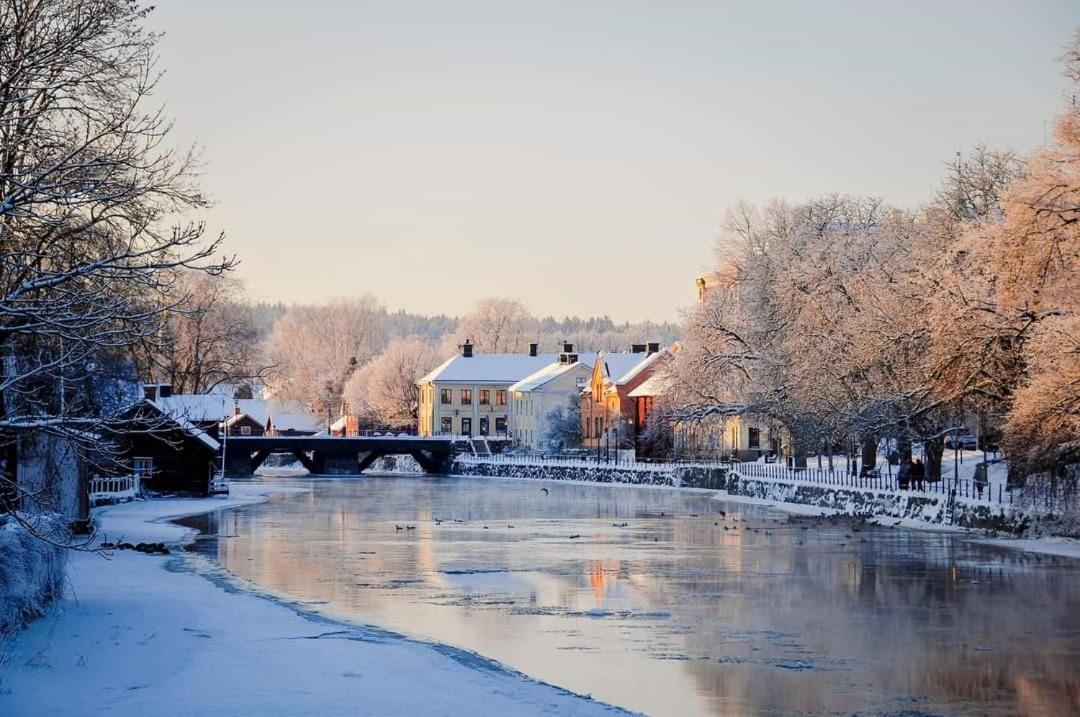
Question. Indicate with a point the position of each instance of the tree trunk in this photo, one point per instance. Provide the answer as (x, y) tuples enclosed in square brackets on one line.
[(903, 447), (935, 449), (869, 451)]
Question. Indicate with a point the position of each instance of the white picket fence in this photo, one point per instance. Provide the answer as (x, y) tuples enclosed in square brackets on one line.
[(113, 488)]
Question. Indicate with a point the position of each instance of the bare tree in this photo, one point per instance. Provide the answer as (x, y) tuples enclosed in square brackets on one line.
[(90, 200)]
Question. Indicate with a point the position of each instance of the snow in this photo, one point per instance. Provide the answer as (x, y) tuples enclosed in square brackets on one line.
[(287, 414), (549, 373), (140, 635), (31, 570), (628, 375), (188, 427), (1067, 547), (655, 385), (489, 368)]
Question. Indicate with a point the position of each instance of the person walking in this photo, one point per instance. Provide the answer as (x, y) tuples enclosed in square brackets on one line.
[(918, 474), (903, 476)]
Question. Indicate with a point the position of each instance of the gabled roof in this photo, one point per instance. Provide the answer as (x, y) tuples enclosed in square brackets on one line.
[(488, 368), (185, 425), (550, 372), (655, 385), (621, 368), (211, 408)]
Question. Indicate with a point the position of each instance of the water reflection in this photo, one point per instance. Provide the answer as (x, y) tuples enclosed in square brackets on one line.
[(675, 603)]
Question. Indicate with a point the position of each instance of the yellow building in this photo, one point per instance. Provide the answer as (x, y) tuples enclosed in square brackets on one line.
[(469, 394)]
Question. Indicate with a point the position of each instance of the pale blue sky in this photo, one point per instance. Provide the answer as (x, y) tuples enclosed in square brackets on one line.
[(433, 153)]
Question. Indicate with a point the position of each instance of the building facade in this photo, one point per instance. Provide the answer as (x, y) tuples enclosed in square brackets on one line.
[(608, 412), (469, 394), (537, 395)]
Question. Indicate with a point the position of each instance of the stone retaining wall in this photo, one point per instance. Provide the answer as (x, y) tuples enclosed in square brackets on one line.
[(933, 509)]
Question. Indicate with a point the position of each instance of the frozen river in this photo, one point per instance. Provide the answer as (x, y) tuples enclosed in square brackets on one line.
[(673, 602)]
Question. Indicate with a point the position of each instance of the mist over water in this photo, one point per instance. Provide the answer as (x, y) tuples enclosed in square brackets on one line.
[(673, 602)]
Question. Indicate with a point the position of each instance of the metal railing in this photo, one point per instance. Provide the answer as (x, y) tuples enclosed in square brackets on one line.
[(954, 488), (964, 489)]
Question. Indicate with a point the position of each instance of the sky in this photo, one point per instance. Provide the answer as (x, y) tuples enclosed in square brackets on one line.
[(577, 156)]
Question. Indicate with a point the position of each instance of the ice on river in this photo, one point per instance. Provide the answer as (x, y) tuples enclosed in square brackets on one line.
[(674, 602)]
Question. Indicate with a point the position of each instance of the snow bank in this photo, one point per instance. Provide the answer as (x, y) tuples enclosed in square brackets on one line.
[(31, 569), (148, 636), (397, 464)]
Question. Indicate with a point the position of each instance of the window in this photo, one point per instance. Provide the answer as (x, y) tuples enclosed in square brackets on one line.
[(446, 425), (466, 397), (446, 397), (500, 425), (483, 425), (245, 430), (755, 438), (485, 397), (142, 468), (500, 398), (466, 426)]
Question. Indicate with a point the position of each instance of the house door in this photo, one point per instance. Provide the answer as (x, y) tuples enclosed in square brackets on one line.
[(466, 426), (483, 425)]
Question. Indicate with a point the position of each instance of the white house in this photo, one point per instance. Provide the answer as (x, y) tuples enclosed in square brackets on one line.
[(534, 397)]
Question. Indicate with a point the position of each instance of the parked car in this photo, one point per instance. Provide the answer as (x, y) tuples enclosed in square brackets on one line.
[(963, 441)]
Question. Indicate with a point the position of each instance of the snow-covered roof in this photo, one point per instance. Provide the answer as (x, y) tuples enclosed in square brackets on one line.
[(635, 370), (550, 372), (204, 408), (488, 368), (187, 426), (655, 385), (621, 368), (303, 422)]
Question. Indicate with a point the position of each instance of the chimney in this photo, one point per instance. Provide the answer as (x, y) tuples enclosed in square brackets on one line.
[(654, 348), (236, 410), (567, 347), (637, 348), (466, 348), (534, 349)]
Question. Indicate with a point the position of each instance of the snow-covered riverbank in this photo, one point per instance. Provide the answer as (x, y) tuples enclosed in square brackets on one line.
[(140, 635)]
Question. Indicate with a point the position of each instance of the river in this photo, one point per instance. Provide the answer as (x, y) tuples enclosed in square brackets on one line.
[(673, 602)]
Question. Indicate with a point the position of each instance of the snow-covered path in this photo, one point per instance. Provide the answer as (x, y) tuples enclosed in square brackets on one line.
[(135, 638)]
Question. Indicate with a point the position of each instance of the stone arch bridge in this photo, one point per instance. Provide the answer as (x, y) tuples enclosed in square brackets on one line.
[(330, 455)]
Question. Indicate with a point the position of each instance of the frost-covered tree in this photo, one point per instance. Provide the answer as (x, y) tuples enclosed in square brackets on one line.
[(92, 207), (495, 326), (564, 426), (211, 338), (315, 349), (384, 390)]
